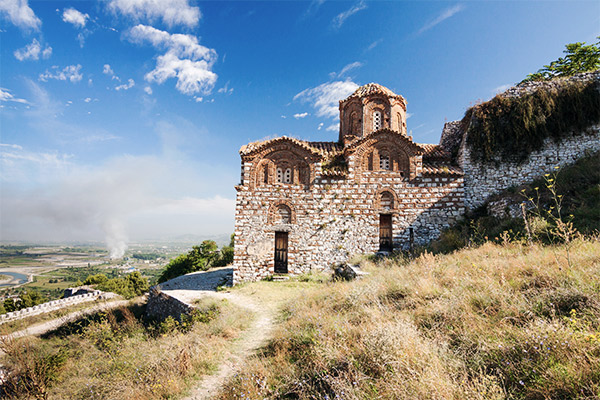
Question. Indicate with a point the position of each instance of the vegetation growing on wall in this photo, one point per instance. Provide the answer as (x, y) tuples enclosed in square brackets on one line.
[(578, 58), (578, 186), (510, 128)]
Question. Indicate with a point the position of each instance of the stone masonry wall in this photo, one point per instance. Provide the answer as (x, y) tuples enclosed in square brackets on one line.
[(162, 305), (334, 219), (482, 180)]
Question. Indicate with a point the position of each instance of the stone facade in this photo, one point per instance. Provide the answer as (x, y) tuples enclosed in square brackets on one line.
[(304, 206), (329, 200)]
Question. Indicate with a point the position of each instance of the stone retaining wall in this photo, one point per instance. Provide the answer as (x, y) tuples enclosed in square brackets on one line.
[(53, 305), (162, 305)]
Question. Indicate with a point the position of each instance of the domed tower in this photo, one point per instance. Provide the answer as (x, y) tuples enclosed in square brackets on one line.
[(370, 108)]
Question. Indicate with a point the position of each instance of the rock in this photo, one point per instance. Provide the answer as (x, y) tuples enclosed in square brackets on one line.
[(347, 272)]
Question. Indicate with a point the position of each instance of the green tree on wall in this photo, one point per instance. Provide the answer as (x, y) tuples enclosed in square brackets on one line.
[(579, 57)]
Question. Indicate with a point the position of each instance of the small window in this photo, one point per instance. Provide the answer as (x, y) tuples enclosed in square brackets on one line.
[(384, 162), (387, 201), (279, 175), (285, 214), (287, 176), (266, 174), (376, 120)]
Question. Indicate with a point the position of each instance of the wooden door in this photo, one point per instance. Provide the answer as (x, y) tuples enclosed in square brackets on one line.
[(281, 252), (385, 232)]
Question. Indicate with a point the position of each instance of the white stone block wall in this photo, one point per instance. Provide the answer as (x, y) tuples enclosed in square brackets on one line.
[(335, 219), (482, 180)]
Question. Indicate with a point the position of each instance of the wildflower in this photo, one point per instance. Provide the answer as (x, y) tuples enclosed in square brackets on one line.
[(521, 383)]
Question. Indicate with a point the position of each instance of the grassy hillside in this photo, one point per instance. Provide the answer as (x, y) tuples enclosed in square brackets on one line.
[(498, 321)]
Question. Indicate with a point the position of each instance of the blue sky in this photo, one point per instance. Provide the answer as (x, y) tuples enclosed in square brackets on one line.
[(121, 120)]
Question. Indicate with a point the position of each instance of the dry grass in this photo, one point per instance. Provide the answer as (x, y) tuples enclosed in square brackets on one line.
[(498, 321), (116, 355)]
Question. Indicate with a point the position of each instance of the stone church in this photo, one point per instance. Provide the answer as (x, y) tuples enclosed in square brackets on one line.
[(302, 206)]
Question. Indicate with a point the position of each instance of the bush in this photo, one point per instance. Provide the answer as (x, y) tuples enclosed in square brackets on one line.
[(95, 279), (200, 258), (131, 286)]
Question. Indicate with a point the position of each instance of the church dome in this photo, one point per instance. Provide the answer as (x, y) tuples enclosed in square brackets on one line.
[(373, 89)]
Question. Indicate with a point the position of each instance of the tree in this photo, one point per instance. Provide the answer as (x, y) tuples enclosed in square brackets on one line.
[(200, 258), (579, 58)]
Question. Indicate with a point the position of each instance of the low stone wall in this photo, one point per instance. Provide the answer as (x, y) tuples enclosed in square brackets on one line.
[(161, 305), (53, 305)]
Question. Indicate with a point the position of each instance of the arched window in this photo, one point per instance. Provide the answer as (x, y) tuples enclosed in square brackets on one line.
[(287, 176), (266, 174), (399, 122), (284, 213), (377, 120), (354, 124), (387, 201), (384, 162), (279, 175)]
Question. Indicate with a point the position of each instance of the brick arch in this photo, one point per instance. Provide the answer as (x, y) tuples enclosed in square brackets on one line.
[(274, 215), (370, 156), (380, 199), (284, 156), (376, 103)]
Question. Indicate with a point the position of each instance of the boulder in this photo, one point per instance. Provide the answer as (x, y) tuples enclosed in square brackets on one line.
[(347, 272)]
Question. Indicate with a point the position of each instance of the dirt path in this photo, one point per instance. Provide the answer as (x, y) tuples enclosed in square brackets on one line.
[(192, 287), (252, 339)]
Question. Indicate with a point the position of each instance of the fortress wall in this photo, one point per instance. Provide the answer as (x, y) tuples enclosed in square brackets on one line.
[(50, 306), (482, 180)]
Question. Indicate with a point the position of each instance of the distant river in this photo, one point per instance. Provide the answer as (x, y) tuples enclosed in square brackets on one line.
[(18, 278)]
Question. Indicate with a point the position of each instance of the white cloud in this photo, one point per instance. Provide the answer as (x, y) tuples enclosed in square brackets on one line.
[(325, 97), (32, 51), (107, 70), (20, 14), (447, 13), (283, 116), (199, 99), (225, 89), (81, 39), (339, 19), (127, 196), (408, 115), (345, 70), (5, 95), (126, 86), (72, 16), (87, 99), (374, 44), (148, 90), (300, 115), (70, 72), (186, 60), (320, 126), (171, 12), (333, 128)]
